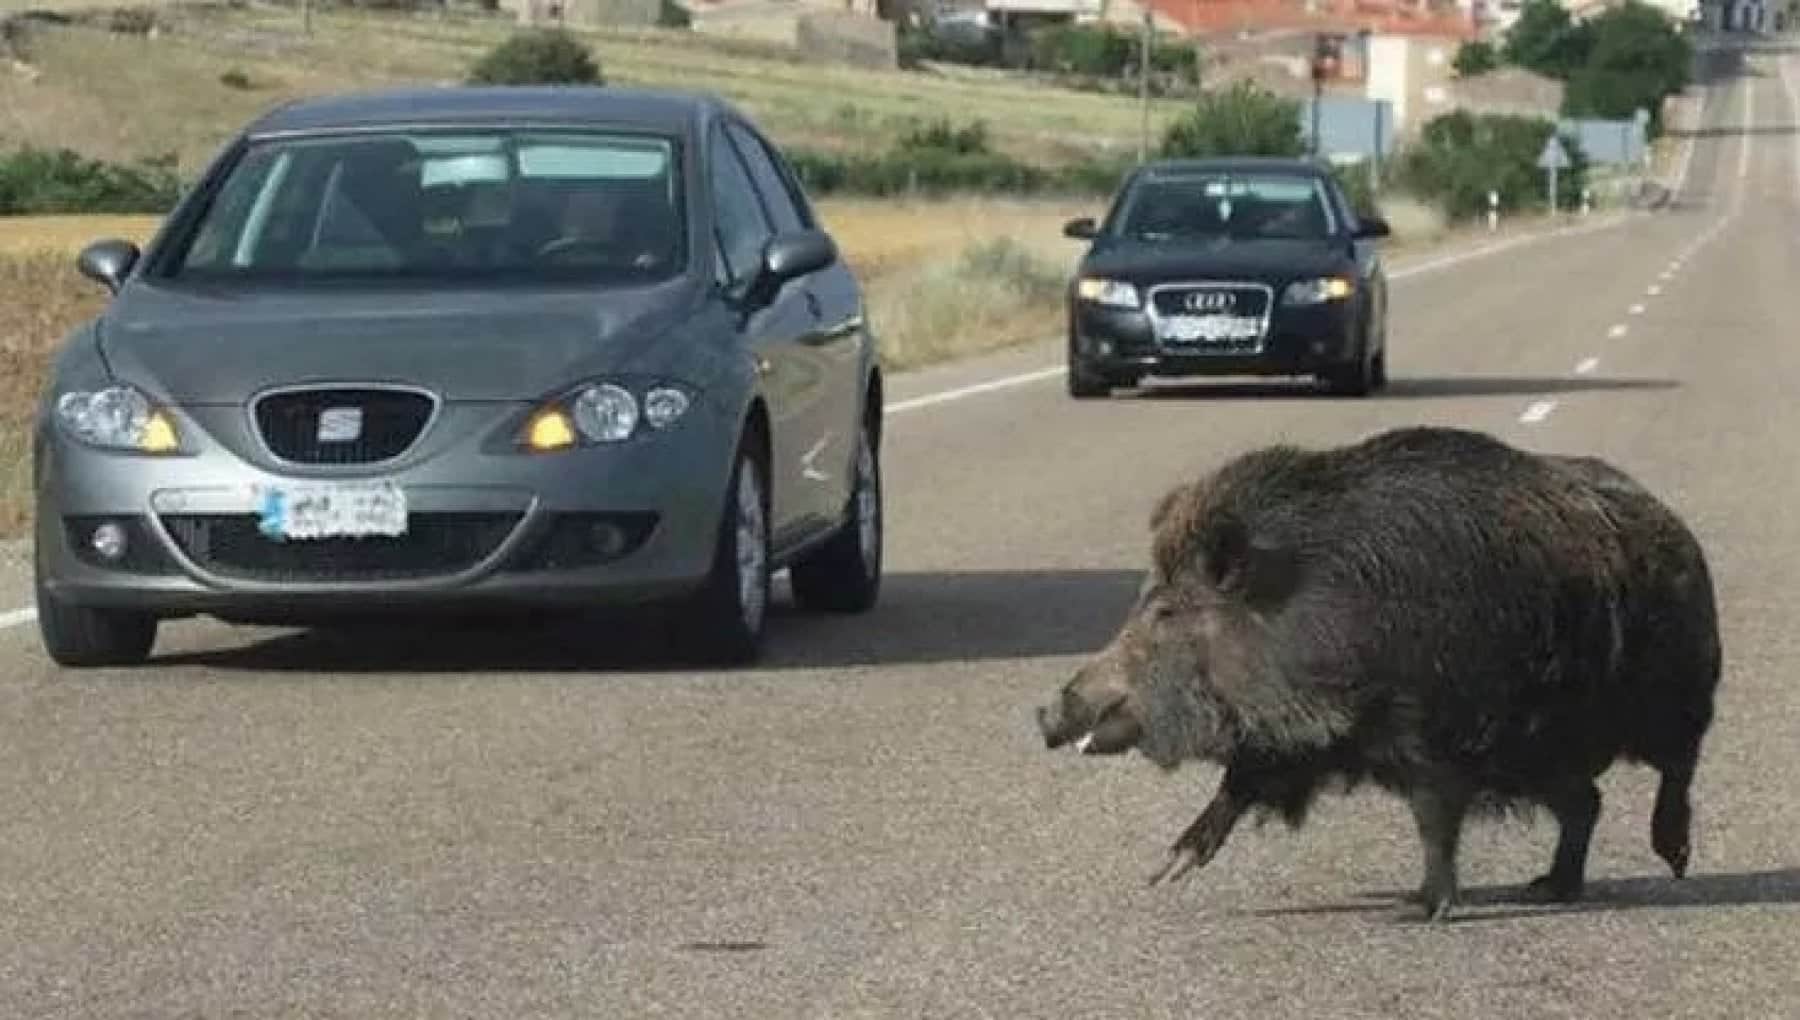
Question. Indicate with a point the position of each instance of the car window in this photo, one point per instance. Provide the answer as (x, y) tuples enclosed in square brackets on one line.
[(1250, 206), (493, 205), (776, 195), (743, 228)]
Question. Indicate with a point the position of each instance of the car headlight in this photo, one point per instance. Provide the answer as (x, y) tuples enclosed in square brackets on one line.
[(1112, 293), (118, 417), (1313, 292), (604, 413)]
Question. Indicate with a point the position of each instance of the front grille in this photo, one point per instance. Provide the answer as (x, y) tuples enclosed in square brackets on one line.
[(435, 545), (1244, 301), (360, 426)]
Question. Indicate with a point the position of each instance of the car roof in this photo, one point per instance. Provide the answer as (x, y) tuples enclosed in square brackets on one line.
[(648, 109), (1234, 164)]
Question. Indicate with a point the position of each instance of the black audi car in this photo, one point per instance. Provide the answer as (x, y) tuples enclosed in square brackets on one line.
[(1228, 266)]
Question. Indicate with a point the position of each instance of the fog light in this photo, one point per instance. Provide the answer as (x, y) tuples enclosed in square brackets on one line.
[(108, 540), (608, 540)]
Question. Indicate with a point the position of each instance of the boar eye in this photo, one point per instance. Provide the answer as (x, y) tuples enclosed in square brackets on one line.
[(1162, 611)]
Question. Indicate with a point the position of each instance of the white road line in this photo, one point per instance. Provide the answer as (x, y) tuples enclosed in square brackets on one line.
[(1637, 309), (17, 617), (1537, 412), (1749, 126), (1587, 365), (1617, 331), (902, 406), (1654, 289)]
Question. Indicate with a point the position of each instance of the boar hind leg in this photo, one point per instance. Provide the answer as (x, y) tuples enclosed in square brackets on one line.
[(1577, 808), (1438, 809), (1202, 840), (1671, 817)]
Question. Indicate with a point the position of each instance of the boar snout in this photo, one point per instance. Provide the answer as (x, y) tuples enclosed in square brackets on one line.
[(1096, 716)]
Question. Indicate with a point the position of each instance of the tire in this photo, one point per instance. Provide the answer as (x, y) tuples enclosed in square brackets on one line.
[(78, 637), (1355, 379), (1380, 371), (726, 619), (844, 574), (1084, 385)]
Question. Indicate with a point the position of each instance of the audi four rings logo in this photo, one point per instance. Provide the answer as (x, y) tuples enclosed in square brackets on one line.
[(1210, 301)]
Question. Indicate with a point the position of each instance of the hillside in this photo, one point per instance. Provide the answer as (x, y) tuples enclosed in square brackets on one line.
[(126, 96)]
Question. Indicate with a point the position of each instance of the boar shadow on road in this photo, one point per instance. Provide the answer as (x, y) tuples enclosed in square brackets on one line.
[(1401, 387), (1780, 887), (922, 619)]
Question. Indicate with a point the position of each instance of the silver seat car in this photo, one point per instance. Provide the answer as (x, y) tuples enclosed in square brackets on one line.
[(466, 348)]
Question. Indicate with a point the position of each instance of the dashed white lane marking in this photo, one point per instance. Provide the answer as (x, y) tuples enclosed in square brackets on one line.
[(1637, 309), (1654, 290), (1587, 365), (17, 617), (1617, 331), (1537, 412)]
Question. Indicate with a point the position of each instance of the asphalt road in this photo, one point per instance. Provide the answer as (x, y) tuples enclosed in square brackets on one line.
[(468, 823)]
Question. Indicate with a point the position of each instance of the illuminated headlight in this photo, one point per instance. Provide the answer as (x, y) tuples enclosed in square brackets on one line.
[(1111, 293), (604, 413), (117, 418), (1312, 292)]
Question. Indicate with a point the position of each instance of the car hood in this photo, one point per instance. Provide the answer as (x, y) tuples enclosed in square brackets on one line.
[(1156, 262), (220, 347)]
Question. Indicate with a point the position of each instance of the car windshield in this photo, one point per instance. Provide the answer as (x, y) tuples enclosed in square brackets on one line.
[(490, 205), (1218, 205)]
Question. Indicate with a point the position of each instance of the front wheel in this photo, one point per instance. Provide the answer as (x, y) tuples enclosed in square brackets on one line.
[(79, 637), (844, 574), (726, 620)]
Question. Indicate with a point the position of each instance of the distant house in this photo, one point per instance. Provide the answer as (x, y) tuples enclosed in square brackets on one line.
[(1417, 75)]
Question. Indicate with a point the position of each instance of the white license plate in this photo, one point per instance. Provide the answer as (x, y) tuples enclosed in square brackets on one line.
[(1213, 328), (331, 510)]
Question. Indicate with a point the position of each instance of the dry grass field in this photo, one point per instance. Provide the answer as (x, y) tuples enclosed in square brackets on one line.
[(81, 82)]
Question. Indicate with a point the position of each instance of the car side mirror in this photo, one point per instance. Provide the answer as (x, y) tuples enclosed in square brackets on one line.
[(1083, 229), (108, 262), (1370, 228), (788, 257)]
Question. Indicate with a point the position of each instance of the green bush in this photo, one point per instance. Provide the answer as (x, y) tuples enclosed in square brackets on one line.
[(1476, 57), (1460, 157), (41, 182), (544, 56), (1243, 120)]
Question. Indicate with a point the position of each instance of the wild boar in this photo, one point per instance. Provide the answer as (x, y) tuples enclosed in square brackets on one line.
[(1467, 625)]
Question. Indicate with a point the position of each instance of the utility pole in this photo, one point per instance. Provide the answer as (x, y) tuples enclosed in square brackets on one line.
[(306, 16), (1144, 86)]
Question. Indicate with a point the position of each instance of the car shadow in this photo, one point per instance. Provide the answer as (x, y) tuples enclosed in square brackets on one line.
[(1405, 388), (921, 619), (1780, 887)]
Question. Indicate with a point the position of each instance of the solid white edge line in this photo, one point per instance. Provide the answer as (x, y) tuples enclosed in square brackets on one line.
[(1006, 382), (17, 617)]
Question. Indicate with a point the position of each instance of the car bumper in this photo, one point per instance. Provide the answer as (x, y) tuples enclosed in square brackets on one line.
[(487, 529), (1297, 341)]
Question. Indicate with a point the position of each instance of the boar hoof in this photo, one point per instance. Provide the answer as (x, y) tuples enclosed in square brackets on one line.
[(1552, 888), (1182, 861), (1438, 907)]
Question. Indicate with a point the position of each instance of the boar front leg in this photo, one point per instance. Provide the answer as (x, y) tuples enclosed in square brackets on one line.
[(1202, 840)]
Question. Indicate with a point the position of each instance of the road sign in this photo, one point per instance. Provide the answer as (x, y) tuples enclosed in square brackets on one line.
[(1554, 157)]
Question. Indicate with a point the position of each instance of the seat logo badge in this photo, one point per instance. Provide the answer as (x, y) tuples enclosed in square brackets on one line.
[(1210, 301), (340, 425)]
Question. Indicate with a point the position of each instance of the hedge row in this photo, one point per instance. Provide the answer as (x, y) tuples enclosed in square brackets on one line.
[(48, 182)]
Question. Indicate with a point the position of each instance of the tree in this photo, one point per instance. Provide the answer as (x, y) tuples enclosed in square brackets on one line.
[(1638, 58), (1476, 57), (1546, 40), (545, 56), (1243, 120)]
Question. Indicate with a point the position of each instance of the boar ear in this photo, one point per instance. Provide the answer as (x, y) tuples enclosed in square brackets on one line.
[(1254, 568), (1160, 512)]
